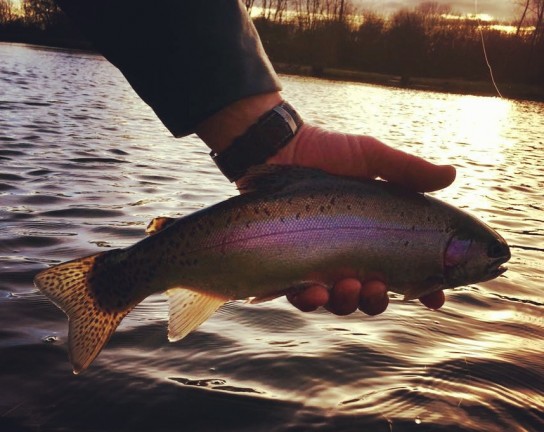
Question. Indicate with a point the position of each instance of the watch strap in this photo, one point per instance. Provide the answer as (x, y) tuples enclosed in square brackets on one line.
[(263, 139)]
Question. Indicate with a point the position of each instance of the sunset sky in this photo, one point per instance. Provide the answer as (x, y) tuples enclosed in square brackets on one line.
[(500, 9)]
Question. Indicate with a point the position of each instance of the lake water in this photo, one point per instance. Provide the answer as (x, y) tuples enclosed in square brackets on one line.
[(85, 165)]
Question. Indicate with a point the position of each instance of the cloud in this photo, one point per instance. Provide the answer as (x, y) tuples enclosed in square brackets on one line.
[(501, 9)]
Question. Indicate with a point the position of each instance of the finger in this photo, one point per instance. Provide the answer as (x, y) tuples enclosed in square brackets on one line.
[(344, 297), (310, 298), (373, 298), (408, 170), (434, 300)]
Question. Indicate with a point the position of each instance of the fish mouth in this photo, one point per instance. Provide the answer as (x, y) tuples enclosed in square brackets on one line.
[(496, 268), (500, 270)]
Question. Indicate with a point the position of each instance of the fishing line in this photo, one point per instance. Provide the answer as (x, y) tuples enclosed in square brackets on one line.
[(485, 50)]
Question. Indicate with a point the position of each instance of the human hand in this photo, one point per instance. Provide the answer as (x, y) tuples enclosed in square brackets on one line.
[(364, 157)]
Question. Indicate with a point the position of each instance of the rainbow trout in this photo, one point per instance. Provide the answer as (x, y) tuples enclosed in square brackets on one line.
[(292, 227)]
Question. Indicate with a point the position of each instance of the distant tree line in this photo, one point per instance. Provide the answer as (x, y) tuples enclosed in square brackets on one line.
[(38, 21), (428, 40)]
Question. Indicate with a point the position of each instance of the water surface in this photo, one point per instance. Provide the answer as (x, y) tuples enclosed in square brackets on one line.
[(84, 166)]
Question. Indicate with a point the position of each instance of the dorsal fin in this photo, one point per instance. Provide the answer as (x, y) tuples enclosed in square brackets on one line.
[(188, 309), (273, 178), (158, 224)]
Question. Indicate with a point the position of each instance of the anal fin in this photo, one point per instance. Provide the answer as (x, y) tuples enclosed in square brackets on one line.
[(187, 309)]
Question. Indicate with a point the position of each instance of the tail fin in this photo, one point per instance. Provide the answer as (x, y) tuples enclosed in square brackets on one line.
[(90, 325)]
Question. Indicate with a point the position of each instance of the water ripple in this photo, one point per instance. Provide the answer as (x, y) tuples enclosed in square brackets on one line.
[(85, 165)]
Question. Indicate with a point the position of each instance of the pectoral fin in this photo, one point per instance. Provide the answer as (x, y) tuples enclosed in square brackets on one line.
[(188, 309)]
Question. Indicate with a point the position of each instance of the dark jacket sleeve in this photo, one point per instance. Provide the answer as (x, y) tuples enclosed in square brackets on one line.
[(187, 59)]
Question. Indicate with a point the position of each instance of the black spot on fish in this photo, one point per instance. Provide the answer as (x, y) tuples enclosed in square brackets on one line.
[(266, 211), (307, 207), (322, 209), (298, 216)]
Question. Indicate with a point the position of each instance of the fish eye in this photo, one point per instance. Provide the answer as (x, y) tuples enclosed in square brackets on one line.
[(498, 249)]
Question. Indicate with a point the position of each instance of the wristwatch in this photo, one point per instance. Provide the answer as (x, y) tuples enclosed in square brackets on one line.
[(263, 139)]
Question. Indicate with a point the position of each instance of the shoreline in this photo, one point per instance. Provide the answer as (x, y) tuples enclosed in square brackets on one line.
[(514, 91)]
